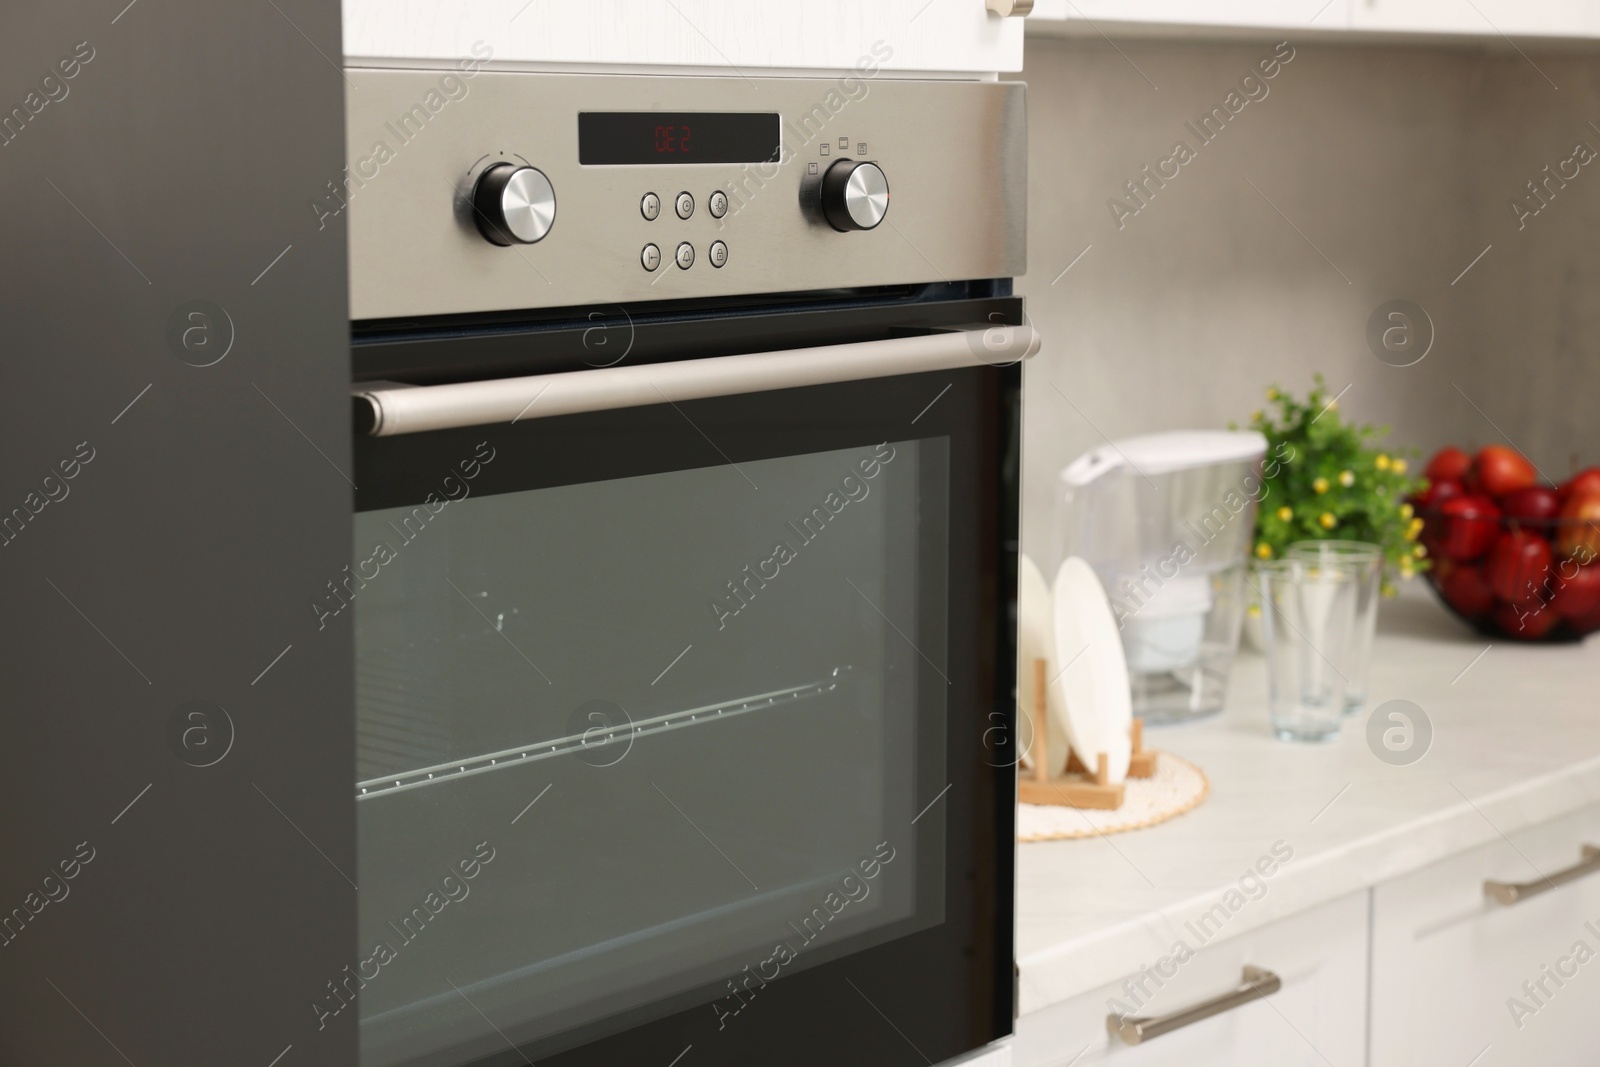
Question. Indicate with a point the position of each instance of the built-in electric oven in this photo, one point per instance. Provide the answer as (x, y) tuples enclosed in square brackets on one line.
[(686, 466)]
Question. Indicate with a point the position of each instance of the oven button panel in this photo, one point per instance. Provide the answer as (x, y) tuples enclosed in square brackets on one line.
[(466, 221), (513, 205)]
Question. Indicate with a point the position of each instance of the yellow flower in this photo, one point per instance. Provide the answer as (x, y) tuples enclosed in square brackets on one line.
[(1413, 529), (1272, 394), (1285, 513), (1382, 462), (1406, 569), (1399, 466), (1347, 478), (1255, 611), (1256, 416), (1264, 551), (1406, 511), (1320, 485), (1327, 520), (1389, 589), (1419, 551)]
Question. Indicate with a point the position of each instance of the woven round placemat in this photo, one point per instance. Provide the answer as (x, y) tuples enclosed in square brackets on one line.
[(1177, 786)]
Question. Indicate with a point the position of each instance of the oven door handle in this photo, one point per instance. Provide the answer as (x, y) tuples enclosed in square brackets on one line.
[(384, 409)]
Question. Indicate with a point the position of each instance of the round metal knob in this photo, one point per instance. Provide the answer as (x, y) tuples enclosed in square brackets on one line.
[(855, 195), (513, 205)]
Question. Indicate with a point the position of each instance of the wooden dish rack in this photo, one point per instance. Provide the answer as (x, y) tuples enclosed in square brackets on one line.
[(1079, 787)]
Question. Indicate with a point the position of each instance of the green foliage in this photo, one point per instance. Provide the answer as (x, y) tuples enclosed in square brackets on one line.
[(1331, 483)]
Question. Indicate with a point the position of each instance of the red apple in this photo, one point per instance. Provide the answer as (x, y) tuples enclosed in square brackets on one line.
[(1577, 589), (1579, 537), (1530, 624), (1586, 623), (1469, 527), (1464, 588), (1533, 504), (1501, 470), (1450, 462), (1438, 491), (1585, 483), (1518, 567)]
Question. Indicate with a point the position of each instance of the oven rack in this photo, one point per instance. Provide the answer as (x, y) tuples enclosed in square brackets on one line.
[(594, 740)]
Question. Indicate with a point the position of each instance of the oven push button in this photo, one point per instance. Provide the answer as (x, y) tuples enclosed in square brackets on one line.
[(650, 258), (718, 253), (717, 204), (685, 256), (685, 205), (650, 207)]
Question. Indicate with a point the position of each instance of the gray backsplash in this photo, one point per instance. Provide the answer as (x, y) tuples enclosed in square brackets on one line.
[(1395, 164)]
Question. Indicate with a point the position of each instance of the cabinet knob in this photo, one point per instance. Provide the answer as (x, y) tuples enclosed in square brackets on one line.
[(1010, 8)]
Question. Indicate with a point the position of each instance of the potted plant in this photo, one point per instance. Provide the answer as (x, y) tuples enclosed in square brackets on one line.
[(1335, 483)]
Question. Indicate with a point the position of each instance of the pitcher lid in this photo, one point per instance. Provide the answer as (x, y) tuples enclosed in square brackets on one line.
[(1164, 453)]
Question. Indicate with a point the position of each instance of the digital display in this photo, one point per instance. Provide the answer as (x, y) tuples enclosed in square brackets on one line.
[(631, 138)]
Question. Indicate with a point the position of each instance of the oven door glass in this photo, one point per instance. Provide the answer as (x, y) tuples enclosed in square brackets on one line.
[(645, 723)]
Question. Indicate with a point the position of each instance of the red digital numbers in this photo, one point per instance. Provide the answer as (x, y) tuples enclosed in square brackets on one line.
[(672, 139)]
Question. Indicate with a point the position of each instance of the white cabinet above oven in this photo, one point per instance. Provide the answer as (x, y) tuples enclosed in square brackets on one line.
[(1434, 20), (953, 36)]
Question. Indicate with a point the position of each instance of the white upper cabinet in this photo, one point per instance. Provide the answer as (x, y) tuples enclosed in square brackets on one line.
[(1288, 14), (1542, 18), (1473, 18), (953, 36)]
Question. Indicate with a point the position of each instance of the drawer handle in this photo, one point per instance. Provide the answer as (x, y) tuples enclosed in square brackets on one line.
[(1509, 893), (1255, 983)]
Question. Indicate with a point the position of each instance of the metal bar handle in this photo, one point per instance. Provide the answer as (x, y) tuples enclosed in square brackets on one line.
[(1509, 893), (385, 409), (1255, 983)]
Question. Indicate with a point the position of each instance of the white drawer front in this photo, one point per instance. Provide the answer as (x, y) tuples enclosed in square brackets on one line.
[(1317, 1018), (1449, 965)]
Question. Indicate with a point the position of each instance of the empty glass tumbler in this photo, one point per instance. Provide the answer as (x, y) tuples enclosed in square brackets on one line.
[(1367, 561), (1308, 615)]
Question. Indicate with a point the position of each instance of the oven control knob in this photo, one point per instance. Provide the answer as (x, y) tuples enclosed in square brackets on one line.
[(855, 195), (513, 205)]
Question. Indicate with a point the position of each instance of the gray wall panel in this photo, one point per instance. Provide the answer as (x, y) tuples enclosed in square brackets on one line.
[(182, 558)]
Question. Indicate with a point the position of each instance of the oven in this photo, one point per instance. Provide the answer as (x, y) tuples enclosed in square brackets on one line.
[(682, 579)]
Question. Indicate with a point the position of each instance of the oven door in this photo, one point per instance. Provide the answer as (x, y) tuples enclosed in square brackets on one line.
[(684, 724)]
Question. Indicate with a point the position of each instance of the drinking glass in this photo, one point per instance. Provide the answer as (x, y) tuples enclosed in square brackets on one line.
[(1367, 561), (1308, 613)]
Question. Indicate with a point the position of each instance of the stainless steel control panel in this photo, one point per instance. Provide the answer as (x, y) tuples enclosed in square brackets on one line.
[(466, 193)]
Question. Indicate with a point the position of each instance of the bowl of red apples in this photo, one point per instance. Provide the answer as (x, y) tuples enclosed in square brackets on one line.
[(1512, 556)]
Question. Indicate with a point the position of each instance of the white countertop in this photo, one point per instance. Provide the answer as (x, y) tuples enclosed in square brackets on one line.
[(1516, 742)]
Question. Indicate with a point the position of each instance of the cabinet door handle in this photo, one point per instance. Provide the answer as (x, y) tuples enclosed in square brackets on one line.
[(1255, 983), (1509, 893)]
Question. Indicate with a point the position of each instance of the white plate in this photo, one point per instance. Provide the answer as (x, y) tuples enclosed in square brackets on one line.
[(1091, 672), (1036, 640)]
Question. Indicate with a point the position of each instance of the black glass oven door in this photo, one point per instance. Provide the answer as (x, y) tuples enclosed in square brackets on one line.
[(675, 731)]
